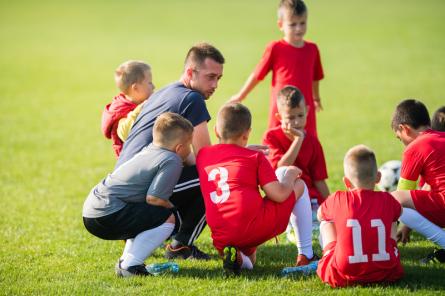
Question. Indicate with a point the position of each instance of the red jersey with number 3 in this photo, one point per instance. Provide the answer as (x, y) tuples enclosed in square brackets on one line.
[(364, 251), (230, 176)]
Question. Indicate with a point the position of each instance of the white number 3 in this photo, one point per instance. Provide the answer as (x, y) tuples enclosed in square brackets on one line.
[(222, 185)]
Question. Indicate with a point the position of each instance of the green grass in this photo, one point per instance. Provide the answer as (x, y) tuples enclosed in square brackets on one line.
[(57, 60)]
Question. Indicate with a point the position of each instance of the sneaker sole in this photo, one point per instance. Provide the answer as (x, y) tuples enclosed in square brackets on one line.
[(230, 261)]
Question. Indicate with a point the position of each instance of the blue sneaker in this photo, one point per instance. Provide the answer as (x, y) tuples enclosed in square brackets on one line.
[(303, 270)]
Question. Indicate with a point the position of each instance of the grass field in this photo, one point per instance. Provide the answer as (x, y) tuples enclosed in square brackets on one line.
[(57, 60)]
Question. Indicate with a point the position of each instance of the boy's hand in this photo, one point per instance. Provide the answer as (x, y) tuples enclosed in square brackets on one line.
[(403, 235), (294, 172), (292, 133), (318, 105), (236, 99)]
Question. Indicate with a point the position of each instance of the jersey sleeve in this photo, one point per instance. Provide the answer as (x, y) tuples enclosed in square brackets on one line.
[(318, 168), (265, 64), (275, 150), (327, 208), (411, 165), (318, 68), (266, 173), (165, 179), (194, 108), (397, 208)]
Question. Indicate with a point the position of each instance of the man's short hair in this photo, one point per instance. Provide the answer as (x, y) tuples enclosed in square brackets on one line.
[(360, 165), (233, 120), (130, 72), (438, 121), (296, 7), (170, 128), (289, 97), (198, 53), (412, 113)]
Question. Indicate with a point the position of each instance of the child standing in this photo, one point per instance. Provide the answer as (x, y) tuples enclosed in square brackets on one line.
[(239, 218), (132, 203), (424, 211), (289, 144), (134, 79), (293, 61), (358, 227)]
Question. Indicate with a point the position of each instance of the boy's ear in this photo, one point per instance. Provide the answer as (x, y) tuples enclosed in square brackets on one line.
[(378, 177), (347, 183), (216, 133), (246, 134), (280, 24)]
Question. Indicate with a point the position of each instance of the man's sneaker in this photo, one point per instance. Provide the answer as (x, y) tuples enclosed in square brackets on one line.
[(231, 261), (135, 270), (437, 256), (185, 252), (303, 260)]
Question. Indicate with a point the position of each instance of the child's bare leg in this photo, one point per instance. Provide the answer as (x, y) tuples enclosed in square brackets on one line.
[(328, 233), (248, 261)]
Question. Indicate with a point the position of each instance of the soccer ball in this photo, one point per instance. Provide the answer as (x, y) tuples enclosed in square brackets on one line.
[(390, 171)]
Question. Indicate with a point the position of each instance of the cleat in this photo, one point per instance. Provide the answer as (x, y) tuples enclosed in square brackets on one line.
[(437, 256), (302, 260), (185, 252), (135, 270), (231, 260)]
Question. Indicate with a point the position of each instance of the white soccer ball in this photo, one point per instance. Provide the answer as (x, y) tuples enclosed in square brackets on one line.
[(390, 171)]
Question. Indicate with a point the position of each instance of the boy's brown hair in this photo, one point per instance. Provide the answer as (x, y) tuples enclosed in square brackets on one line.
[(412, 113), (199, 52), (233, 120), (360, 166), (438, 120), (290, 97), (296, 7), (130, 72), (171, 128)]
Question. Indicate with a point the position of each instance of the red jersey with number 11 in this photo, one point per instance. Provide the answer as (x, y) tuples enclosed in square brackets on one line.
[(364, 251)]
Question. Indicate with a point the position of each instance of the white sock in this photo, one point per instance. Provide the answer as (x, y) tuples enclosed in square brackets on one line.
[(301, 220), (247, 264), (422, 225), (145, 243), (128, 244)]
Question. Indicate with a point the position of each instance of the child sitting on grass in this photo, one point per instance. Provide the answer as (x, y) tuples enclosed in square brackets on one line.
[(134, 79), (239, 218), (358, 227), (132, 203)]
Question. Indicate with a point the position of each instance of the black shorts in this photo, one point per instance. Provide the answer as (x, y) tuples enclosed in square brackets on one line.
[(128, 222)]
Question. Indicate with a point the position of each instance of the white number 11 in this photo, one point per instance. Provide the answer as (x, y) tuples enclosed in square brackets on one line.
[(358, 256)]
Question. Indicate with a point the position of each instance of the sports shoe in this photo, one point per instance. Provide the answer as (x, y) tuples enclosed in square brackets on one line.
[(185, 252), (303, 260), (437, 256), (135, 270), (303, 270), (231, 264)]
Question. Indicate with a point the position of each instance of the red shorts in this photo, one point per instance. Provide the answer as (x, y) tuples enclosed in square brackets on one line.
[(431, 205), (329, 273), (269, 222)]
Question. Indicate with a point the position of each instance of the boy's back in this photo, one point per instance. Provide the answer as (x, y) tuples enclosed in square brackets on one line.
[(364, 250)]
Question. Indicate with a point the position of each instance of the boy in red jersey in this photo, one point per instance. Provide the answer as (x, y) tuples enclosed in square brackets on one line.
[(289, 144), (293, 61), (239, 218), (358, 227), (424, 211), (134, 79)]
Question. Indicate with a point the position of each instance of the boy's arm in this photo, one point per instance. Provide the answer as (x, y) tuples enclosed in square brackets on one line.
[(250, 84), (322, 187), (292, 153), (156, 201), (125, 123), (316, 93), (280, 191)]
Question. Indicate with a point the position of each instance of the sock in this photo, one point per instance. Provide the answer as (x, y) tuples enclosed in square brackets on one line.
[(301, 220), (128, 244), (247, 264), (419, 223), (145, 243)]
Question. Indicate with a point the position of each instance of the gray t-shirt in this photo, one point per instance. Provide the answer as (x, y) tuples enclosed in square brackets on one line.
[(153, 171)]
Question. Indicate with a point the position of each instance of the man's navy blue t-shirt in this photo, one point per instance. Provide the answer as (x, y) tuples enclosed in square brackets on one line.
[(174, 98)]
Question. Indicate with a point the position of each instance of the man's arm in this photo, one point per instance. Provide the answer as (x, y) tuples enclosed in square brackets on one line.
[(201, 137), (156, 201), (316, 93)]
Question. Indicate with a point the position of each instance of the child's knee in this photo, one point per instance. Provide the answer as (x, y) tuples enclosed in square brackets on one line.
[(299, 188)]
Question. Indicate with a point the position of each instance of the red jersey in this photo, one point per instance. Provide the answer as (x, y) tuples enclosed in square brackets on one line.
[(113, 112), (291, 65), (229, 176), (310, 159), (425, 157), (364, 251)]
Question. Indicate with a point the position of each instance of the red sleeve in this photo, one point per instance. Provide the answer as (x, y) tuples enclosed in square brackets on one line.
[(275, 150), (411, 164), (265, 64), (266, 173), (397, 208), (317, 168), (318, 68), (327, 208)]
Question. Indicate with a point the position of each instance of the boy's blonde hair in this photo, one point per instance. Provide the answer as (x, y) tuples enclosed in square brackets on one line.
[(360, 166), (296, 7), (170, 129), (233, 120), (130, 72)]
